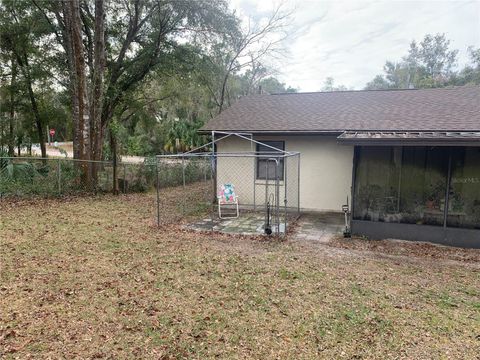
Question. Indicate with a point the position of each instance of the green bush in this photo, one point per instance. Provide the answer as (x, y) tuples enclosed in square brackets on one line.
[(24, 177)]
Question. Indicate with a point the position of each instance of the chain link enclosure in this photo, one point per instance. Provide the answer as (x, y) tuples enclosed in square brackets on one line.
[(266, 183)]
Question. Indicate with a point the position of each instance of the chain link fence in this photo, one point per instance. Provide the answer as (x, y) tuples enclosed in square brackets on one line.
[(187, 186), (49, 177), (184, 190)]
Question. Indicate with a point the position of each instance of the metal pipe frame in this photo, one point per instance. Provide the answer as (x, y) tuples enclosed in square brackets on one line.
[(246, 136), (226, 154), (54, 159)]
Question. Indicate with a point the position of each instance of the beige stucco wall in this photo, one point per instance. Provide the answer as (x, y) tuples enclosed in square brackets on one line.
[(325, 171)]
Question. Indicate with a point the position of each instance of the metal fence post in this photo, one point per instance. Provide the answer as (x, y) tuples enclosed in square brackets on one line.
[(183, 176), (206, 185), (285, 196), (59, 176), (1, 186), (277, 194), (158, 192), (298, 181), (213, 177), (124, 178), (254, 177)]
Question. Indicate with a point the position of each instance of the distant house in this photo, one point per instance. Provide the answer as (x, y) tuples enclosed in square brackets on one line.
[(409, 160)]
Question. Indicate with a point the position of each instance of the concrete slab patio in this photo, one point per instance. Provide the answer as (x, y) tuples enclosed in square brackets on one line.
[(319, 226), (312, 227), (250, 223)]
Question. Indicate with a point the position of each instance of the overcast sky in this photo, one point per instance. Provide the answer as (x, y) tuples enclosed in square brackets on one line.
[(351, 40)]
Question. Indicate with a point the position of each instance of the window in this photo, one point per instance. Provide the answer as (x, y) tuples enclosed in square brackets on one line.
[(264, 165)]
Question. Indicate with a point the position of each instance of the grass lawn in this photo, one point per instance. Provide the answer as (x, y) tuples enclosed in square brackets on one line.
[(94, 278)]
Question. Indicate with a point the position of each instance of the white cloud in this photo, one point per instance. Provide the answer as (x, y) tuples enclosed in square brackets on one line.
[(351, 40)]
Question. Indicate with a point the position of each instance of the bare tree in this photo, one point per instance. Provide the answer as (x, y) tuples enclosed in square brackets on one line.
[(257, 42), (255, 74)]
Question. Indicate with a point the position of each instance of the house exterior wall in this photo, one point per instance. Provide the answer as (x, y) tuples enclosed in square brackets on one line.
[(325, 171)]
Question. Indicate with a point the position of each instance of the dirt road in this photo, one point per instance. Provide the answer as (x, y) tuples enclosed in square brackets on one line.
[(54, 151)]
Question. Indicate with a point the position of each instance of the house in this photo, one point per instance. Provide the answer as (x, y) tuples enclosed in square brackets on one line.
[(409, 160)]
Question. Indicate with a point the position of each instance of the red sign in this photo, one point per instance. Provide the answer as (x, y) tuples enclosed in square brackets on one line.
[(52, 132)]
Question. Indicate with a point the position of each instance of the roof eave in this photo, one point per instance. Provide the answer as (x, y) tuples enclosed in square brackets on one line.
[(276, 132), (410, 142)]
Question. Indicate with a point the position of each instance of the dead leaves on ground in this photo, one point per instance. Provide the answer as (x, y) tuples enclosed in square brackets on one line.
[(105, 282), (408, 248)]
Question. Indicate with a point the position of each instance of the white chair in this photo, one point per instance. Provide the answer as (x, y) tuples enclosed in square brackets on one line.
[(227, 196)]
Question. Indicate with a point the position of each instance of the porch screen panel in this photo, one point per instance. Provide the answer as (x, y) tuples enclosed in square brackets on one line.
[(423, 185), (464, 199), (377, 183), (401, 185)]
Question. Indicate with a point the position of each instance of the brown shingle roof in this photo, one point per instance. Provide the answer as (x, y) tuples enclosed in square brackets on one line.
[(447, 109)]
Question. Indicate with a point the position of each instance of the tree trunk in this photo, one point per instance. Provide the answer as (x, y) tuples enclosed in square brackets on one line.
[(67, 46), (222, 92), (22, 61), (81, 118), (1, 136), (11, 135), (113, 148), (38, 121), (96, 100)]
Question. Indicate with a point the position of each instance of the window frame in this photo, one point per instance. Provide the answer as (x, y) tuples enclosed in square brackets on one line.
[(273, 153)]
